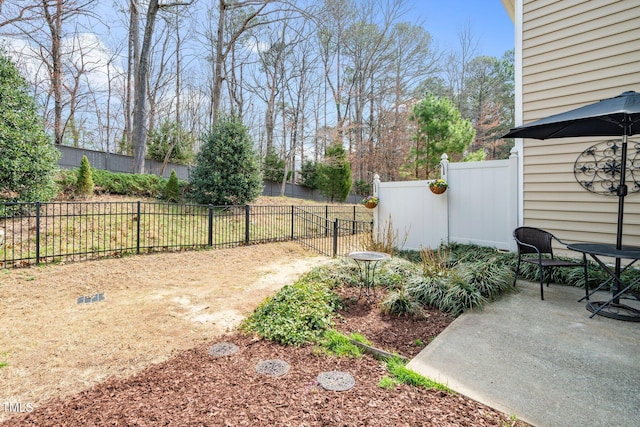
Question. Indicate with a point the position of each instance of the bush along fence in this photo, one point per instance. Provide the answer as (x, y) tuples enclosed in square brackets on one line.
[(36, 233)]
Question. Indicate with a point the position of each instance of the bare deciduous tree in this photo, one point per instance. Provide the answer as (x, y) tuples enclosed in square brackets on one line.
[(140, 83)]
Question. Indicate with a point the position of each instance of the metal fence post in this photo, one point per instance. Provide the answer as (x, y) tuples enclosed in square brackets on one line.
[(353, 228), (247, 213), (138, 231), (37, 233), (210, 231), (335, 238), (292, 217), (326, 221)]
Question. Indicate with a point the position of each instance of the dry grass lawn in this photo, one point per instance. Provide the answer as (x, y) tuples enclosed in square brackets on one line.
[(153, 307)]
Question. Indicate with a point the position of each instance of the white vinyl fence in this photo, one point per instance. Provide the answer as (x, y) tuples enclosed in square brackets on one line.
[(479, 207)]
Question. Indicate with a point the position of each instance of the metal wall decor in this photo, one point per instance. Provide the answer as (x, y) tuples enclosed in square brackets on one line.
[(597, 168)]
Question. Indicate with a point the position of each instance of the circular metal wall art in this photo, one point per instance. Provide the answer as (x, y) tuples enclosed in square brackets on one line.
[(273, 368), (336, 380), (223, 349), (598, 168)]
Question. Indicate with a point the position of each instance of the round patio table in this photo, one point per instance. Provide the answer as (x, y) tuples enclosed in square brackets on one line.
[(611, 308), (367, 262)]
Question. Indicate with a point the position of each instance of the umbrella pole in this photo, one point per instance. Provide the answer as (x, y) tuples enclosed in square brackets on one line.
[(622, 192)]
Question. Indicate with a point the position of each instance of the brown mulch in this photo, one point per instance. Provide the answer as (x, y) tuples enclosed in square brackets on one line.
[(196, 388)]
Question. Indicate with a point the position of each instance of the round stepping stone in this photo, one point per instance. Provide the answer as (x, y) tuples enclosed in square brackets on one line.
[(336, 380), (223, 349), (273, 368)]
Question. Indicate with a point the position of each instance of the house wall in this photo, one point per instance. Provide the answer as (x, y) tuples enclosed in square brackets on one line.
[(574, 52)]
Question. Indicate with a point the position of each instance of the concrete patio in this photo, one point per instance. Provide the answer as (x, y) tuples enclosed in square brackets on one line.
[(546, 362)]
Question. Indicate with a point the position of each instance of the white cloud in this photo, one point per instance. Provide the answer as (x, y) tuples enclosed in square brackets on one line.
[(82, 51)]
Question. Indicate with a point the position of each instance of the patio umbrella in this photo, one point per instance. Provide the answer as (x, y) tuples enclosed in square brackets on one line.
[(617, 116)]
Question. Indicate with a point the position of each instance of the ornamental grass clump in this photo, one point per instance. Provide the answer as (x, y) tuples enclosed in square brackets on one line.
[(458, 278), (401, 303)]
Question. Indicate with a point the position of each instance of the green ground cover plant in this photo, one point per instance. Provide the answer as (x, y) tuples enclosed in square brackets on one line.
[(299, 313)]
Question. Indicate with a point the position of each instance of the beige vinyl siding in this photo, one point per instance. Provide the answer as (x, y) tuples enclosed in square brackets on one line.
[(575, 52)]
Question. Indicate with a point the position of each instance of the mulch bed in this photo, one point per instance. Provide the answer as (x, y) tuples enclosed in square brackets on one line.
[(198, 388)]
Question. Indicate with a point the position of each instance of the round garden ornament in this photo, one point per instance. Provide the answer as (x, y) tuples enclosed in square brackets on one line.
[(370, 202), (438, 186)]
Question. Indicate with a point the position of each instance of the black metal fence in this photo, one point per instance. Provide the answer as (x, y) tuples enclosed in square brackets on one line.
[(37, 233)]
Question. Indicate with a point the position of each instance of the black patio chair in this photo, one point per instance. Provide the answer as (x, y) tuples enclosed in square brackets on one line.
[(534, 247)]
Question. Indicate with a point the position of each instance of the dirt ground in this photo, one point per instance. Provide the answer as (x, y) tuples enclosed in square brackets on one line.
[(154, 307)]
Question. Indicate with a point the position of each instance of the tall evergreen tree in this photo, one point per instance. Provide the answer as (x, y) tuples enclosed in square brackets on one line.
[(441, 129), (28, 159), (227, 170), (334, 173)]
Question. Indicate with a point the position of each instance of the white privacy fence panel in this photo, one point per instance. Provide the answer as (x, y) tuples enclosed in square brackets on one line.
[(479, 207), (483, 202), (414, 212)]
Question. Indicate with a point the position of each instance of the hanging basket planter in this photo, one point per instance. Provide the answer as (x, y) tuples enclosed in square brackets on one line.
[(370, 202), (370, 205), (438, 186)]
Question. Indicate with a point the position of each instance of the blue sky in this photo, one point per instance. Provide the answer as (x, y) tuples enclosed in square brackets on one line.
[(489, 22)]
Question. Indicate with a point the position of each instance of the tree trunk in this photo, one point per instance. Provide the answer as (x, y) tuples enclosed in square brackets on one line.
[(55, 27), (140, 97), (133, 58), (219, 59)]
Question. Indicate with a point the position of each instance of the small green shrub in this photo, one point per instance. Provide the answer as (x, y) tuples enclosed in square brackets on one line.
[(65, 180), (171, 191), (297, 314), (84, 184), (128, 184)]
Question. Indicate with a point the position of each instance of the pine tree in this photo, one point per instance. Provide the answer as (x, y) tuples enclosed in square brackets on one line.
[(334, 174), (84, 184)]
